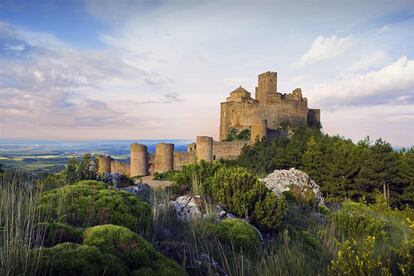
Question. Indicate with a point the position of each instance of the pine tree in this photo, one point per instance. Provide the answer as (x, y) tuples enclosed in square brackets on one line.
[(406, 174), (71, 171)]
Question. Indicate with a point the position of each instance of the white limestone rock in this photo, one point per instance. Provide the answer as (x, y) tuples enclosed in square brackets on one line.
[(283, 180), (187, 207)]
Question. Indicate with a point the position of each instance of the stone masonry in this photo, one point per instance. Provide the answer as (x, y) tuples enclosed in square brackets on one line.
[(263, 116)]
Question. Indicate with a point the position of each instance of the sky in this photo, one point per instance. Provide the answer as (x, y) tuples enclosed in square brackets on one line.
[(106, 69)]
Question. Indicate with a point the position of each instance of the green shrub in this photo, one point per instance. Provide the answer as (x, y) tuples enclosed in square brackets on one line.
[(164, 176), (406, 254), (198, 176), (135, 251), (54, 233), (355, 220), (324, 210), (357, 258), (89, 203), (238, 135), (240, 192), (236, 232), (52, 181), (77, 259)]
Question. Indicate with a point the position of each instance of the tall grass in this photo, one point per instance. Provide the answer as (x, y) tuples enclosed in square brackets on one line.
[(18, 219), (284, 254)]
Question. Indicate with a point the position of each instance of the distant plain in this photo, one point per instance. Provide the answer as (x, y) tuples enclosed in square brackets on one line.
[(51, 156)]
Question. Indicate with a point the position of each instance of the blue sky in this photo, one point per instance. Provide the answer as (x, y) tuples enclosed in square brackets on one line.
[(103, 69)]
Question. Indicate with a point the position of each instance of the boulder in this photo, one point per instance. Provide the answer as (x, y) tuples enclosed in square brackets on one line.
[(298, 183), (221, 214), (117, 180), (187, 207), (143, 191)]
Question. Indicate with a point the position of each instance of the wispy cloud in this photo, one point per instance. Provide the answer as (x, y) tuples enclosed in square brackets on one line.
[(392, 84), (160, 68), (47, 83), (324, 48)]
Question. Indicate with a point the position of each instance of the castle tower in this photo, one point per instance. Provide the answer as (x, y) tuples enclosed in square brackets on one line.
[(104, 164), (267, 84), (204, 148), (164, 157), (258, 130), (139, 160)]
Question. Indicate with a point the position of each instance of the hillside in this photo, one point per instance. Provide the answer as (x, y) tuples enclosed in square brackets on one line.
[(346, 209)]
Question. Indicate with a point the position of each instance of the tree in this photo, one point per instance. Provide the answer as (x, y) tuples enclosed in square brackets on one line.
[(71, 171), (406, 173)]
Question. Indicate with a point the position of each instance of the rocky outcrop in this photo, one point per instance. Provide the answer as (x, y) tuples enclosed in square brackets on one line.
[(187, 207), (298, 183)]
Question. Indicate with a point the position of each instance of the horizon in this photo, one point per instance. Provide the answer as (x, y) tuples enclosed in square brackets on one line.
[(136, 70)]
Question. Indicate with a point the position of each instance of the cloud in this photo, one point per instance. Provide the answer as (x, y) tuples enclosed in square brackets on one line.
[(46, 83), (392, 84), (368, 62), (163, 67), (324, 48)]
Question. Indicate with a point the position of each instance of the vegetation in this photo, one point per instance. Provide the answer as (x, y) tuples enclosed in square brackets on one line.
[(241, 193), (18, 219), (54, 233), (77, 259), (89, 202), (71, 223), (356, 258), (236, 232), (135, 251), (343, 169), (238, 135)]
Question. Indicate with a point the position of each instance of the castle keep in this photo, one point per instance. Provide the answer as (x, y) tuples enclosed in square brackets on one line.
[(262, 117), (264, 114)]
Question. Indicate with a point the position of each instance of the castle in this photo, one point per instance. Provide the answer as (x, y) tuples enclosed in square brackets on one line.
[(262, 117)]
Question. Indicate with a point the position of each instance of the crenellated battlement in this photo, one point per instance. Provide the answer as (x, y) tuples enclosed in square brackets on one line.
[(240, 111)]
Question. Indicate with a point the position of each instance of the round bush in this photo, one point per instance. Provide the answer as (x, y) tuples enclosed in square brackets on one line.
[(236, 232), (241, 193), (88, 203), (135, 251), (77, 259), (54, 233)]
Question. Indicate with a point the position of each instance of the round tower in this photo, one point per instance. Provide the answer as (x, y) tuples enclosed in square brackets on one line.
[(104, 164), (139, 160), (164, 157), (204, 148), (259, 130)]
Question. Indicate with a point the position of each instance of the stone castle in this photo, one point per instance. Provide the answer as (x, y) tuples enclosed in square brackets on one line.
[(262, 117)]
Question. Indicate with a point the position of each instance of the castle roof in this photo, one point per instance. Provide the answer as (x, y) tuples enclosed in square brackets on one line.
[(239, 95), (240, 90)]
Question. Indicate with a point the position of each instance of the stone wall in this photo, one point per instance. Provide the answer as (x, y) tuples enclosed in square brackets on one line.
[(104, 164), (228, 150), (204, 148), (184, 158), (164, 157), (118, 167), (139, 160)]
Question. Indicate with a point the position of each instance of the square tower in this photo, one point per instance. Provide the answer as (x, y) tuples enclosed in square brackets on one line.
[(267, 84)]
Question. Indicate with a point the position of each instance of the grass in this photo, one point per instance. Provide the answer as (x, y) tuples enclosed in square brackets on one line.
[(299, 247), (18, 218), (285, 254)]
